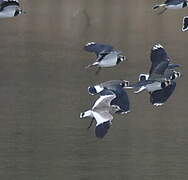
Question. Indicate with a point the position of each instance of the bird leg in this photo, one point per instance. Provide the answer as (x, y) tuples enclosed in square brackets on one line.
[(98, 70), (91, 122)]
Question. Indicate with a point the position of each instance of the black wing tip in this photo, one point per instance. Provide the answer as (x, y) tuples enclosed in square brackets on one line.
[(102, 129), (90, 43), (159, 97)]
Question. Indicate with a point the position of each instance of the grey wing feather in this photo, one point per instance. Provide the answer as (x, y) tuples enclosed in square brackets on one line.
[(141, 83), (103, 101), (158, 55), (98, 48), (111, 83), (160, 68), (121, 100)]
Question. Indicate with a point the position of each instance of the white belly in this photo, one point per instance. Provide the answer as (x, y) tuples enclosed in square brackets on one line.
[(109, 61), (6, 15), (179, 6), (8, 12), (154, 86)]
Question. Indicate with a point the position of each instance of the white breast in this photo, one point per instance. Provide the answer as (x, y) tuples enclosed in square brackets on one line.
[(154, 86), (178, 6), (8, 12), (109, 60)]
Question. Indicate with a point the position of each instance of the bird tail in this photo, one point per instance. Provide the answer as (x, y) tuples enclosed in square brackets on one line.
[(86, 114), (159, 6), (91, 65)]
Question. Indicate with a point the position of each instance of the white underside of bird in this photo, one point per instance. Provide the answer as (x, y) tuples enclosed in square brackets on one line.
[(178, 6), (150, 87), (101, 110), (8, 12), (109, 60)]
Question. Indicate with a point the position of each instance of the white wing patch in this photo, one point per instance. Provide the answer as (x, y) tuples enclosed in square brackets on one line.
[(90, 43), (157, 46), (158, 104)]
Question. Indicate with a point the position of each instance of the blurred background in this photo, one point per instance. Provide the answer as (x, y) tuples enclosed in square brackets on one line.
[(43, 89)]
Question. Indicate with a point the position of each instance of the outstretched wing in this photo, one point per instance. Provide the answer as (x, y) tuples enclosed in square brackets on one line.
[(98, 48), (121, 100), (160, 68), (102, 116), (102, 129), (159, 97), (185, 24), (159, 59), (5, 3), (104, 101)]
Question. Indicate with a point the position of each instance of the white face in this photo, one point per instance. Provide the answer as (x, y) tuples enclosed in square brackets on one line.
[(126, 83), (122, 58), (18, 12)]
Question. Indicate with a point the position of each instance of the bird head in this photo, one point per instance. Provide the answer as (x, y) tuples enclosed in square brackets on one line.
[(125, 83), (95, 89), (82, 115), (19, 11), (121, 59), (166, 83)]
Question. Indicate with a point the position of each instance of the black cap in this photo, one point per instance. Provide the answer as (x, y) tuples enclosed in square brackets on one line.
[(92, 90)]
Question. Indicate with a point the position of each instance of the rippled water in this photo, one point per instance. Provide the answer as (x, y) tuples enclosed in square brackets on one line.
[(43, 88)]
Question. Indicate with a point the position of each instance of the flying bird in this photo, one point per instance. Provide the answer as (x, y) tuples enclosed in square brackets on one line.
[(118, 88), (106, 55), (185, 24), (171, 4), (160, 82), (102, 112), (10, 8)]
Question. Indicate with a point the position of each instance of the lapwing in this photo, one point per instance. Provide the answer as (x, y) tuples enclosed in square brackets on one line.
[(10, 8), (171, 4), (106, 55), (118, 88), (160, 82)]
